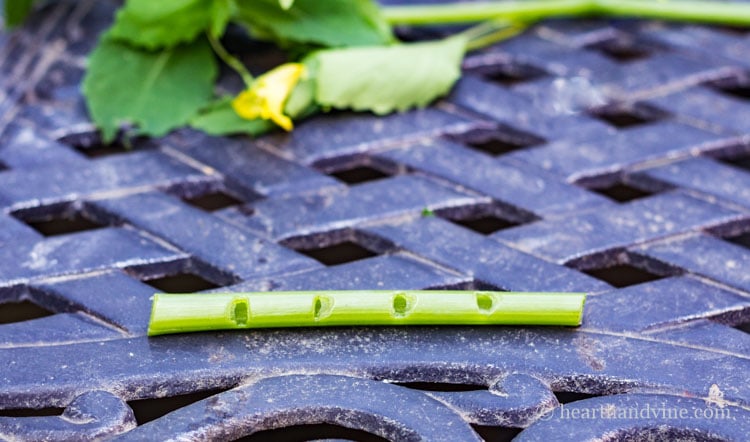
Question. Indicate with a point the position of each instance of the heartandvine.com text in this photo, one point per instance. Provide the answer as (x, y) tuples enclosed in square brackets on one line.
[(644, 411)]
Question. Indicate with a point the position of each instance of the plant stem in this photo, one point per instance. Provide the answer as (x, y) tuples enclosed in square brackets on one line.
[(177, 313), (724, 13), (500, 33), (230, 60), (730, 14), (452, 13)]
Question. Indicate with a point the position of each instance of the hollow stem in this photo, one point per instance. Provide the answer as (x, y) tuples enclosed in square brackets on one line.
[(177, 313), (230, 59), (724, 13)]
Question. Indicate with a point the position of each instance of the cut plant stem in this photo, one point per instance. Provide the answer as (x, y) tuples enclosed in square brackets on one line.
[(178, 313), (722, 13)]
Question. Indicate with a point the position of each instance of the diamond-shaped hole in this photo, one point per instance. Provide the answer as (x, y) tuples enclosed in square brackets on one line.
[(734, 30), (59, 224), (566, 397), (742, 161), (622, 193), (622, 50), (625, 117), (498, 141), (512, 75), (339, 253), (146, 410), (211, 202), (21, 311), (181, 283), (744, 327), (359, 174), (496, 434), (733, 87), (486, 225), (90, 144), (742, 92), (741, 240), (299, 433), (102, 150), (441, 386), (3, 166), (623, 275)]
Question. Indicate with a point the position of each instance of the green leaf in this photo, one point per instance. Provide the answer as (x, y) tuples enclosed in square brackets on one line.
[(326, 23), (155, 24), (384, 79), (301, 101), (221, 13), (220, 119), (16, 11), (157, 91)]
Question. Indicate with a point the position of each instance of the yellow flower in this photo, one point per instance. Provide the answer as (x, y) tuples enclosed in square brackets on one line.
[(265, 98)]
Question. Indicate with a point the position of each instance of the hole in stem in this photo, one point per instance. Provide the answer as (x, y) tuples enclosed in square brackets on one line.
[(485, 301), (322, 307), (240, 312), (401, 304)]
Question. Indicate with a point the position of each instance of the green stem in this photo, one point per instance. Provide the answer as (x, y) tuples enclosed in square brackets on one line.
[(724, 13), (452, 13), (481, 41), (177, 313), (230, 60), (730, 14)]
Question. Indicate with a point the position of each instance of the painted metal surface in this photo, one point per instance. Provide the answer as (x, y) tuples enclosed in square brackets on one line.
[(575, 148)]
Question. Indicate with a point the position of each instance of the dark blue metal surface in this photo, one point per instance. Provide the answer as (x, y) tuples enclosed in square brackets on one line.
[(611, 157)]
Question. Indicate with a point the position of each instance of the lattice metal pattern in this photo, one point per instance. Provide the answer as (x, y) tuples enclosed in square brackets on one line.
[(604, 156)]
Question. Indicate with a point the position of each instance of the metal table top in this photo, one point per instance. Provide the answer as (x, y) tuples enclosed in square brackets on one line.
[(610, 157)]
